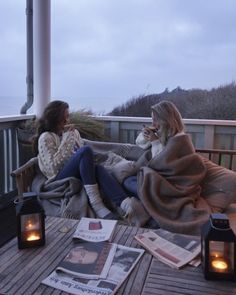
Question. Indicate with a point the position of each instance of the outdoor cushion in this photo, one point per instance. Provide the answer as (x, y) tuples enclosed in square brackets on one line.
[(219, 186)]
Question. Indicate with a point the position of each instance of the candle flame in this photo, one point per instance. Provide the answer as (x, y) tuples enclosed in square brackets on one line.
[(33, 237), (219, 264)]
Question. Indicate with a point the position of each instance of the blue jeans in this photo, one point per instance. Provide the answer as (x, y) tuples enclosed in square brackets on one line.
[(81, 165), (130, 184)]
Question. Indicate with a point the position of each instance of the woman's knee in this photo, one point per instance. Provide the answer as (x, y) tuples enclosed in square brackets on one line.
[(130, 184), (86, 149), (100, 170)]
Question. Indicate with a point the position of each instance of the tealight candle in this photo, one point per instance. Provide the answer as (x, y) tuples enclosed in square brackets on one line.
[(219, 264), (33, 237)]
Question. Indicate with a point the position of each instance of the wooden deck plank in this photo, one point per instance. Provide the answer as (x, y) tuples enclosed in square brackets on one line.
[(184, 287), (13, 257), (32, 262), (40, 268), (188, 280)]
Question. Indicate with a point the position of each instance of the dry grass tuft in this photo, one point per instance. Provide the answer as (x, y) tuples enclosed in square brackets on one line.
[(88, 127)]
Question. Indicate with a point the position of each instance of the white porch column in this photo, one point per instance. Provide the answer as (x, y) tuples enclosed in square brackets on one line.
[(42, 54)]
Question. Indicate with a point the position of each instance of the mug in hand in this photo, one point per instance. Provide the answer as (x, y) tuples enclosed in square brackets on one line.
[(69, 127), (149, 129)]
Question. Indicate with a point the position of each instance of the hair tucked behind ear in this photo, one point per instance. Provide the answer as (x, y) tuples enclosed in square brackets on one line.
[(52, 116), (169, 119)]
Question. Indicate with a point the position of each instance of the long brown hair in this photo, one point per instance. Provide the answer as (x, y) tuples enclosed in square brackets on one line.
[(50, 120), (169, 120)]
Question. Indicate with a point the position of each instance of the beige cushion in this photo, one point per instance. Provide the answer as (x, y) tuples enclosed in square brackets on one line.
[(119, 167), (219, 186)]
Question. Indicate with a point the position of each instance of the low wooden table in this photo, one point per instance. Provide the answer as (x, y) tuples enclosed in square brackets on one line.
[(21, 271)]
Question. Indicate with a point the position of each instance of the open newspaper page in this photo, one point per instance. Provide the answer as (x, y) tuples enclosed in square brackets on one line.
[(95, 230), (89, 260), (123, 263), (176, 250)]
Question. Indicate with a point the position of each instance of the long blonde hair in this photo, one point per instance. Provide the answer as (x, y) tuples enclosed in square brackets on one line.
[(169, 120)]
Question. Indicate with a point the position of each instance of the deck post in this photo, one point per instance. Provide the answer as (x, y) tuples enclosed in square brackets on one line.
[(42, 54)]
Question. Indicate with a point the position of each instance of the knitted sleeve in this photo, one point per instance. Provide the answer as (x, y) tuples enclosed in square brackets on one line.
[(78, 138), (53, 153), (156, 148)]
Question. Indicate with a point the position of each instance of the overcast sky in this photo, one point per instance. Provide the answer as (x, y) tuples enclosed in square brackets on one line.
[(105, 52)]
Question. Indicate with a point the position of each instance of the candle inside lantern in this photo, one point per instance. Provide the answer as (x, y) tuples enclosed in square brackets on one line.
[(33, 237), (219, 264)]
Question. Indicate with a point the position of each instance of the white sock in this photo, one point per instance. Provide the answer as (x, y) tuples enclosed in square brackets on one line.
[(96, 200), (126, 206), (134, 211)]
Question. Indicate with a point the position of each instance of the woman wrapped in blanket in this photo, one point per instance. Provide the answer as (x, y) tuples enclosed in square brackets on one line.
[(170, 173), (62, 153), (166, 123)]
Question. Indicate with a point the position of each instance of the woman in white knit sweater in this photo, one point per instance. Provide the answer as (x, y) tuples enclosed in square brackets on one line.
[(62, 153)]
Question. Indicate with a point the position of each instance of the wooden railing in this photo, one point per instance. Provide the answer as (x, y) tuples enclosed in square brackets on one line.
[(9, 150), (210, 134)]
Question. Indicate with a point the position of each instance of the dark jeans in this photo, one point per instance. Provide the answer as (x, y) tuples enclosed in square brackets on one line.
[(130, 184), (81, 165)]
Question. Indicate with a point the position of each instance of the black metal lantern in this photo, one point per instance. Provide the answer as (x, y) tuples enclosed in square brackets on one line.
[(30, 221), (218, 248)]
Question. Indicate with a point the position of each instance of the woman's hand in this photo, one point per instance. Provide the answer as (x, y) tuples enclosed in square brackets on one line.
[(149, 133), (69, 127)]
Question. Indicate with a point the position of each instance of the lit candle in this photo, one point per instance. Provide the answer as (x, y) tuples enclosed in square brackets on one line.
[(33, 237), (219, 264)]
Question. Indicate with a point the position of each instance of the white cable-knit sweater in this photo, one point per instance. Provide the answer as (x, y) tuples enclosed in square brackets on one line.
[(54, 151)]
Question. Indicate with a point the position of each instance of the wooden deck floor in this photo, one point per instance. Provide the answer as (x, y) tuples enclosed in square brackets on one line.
[(21, 271)]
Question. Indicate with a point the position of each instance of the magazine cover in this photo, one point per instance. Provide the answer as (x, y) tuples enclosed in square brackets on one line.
[(123, 262), (95, 230), (88, 260), (176, 250)]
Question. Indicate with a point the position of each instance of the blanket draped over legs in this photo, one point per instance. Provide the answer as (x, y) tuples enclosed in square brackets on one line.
[(63, 198), (169, 187), (67, 197)]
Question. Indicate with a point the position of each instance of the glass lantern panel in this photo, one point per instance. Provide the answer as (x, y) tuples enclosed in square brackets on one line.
[(31, 227), (221, 257)]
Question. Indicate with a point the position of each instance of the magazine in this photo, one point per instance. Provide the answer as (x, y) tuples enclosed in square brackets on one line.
[(176, 250), (95, 230), (123, 262), (88, 260)]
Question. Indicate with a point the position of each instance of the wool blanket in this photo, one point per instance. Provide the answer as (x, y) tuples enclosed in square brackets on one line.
[(169, 186), (62, 198)]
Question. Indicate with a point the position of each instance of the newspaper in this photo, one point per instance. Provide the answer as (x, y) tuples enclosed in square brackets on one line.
[(176, 250), (95, 230), (88, 260), (123, 263)]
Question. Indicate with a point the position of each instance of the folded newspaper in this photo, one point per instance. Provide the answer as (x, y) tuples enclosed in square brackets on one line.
[(88, 260), (176, 250), (123, 262), (95, 230)]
